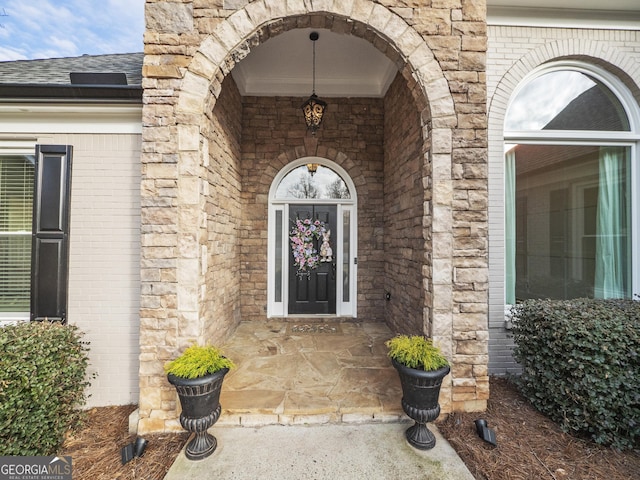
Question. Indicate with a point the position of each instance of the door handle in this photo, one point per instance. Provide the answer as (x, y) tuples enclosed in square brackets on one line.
[(333, 270)]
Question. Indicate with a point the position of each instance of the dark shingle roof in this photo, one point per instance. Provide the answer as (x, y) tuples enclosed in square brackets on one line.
[(49, 80), (593, 109), (55, 71)]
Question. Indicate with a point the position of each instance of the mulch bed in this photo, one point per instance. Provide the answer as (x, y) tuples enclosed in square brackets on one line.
[(95, 448), (529, 445)]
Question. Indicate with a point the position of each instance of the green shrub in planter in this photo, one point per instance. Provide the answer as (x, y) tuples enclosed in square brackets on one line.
[(198, 361), (417, 352), (42, 384), (581, 365)]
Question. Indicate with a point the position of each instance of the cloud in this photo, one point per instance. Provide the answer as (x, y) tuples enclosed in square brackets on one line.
[(11, 54), (540, 100), (64, 28)]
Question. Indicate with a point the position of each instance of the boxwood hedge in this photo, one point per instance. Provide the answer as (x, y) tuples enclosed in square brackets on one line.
[(42, 385), (581, 365)]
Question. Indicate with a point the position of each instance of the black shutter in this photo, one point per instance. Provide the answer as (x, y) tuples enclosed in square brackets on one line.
[(50, 234)]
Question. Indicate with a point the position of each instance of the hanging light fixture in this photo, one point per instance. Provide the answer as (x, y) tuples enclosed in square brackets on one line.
[(312, 168), (313, 109)]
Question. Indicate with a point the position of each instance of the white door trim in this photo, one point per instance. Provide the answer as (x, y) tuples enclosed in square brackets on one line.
[(278, 233)]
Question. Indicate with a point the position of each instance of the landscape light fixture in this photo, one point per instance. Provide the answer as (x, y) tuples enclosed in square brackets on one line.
[(313, 109)]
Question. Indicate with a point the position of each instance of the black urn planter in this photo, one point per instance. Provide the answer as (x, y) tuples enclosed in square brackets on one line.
[(420, 392), (200, 401)]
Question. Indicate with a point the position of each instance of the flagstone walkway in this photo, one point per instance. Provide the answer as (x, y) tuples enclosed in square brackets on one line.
[(309, 372)]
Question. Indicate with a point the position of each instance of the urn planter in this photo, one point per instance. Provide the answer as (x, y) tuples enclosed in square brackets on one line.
[(421, 367), (200, 402), (197, 375), (420, 392)]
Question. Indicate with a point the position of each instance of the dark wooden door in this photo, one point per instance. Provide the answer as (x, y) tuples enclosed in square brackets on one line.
[(314, 293)]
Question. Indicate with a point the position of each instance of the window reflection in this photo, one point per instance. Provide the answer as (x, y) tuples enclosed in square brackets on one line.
[(323, 184), (566, 100), (570, 218)]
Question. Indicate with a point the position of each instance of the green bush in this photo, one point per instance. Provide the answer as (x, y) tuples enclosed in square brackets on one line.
[(42, 384), (198, 361), (581, 365), (416, 352)]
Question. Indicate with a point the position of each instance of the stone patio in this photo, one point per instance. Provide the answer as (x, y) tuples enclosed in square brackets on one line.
[(310, 372)]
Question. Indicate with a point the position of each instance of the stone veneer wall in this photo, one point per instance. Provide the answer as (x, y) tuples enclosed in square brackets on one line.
[(192, 45), (351, 135), (404, 209), (222, 287)]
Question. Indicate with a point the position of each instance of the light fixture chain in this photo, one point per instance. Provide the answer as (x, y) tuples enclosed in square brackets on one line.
[(314, 68)]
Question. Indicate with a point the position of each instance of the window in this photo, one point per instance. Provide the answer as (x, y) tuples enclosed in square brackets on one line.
[(312, 181), (569, 171), (16, 205), (566, 100)]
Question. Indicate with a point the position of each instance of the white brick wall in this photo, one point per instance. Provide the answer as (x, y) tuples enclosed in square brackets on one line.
[(512, 53), (104, 269)]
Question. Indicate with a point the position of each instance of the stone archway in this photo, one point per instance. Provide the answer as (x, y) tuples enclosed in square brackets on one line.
[(185, 68)]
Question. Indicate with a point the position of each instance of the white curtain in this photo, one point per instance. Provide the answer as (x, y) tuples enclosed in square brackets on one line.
[(611, 223), (510, 227)]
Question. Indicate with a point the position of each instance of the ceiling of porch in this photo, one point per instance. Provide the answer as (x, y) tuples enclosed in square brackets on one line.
[(348, 66)]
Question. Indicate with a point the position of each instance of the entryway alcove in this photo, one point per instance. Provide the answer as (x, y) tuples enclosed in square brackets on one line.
[(225, 122), (248, 289), (309, 355)]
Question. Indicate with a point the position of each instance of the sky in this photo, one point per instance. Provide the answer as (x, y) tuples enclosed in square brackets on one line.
[(541, 99), (35, 29)]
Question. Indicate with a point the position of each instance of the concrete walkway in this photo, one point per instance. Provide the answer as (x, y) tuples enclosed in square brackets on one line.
[(332, 452)]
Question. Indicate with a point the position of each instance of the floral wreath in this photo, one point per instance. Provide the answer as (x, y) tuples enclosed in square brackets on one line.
[(302, 237)]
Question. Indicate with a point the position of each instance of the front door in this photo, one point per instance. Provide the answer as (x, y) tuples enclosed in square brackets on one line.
[(313, 290)]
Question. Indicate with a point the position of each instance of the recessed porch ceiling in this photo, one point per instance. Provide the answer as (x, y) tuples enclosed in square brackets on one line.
[(346, 66)]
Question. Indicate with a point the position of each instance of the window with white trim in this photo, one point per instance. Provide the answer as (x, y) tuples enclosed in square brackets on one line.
[(570, 168)]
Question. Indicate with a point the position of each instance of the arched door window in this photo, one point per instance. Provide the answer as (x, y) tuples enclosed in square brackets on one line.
[(312, 181), (570, 168), (317, 276)]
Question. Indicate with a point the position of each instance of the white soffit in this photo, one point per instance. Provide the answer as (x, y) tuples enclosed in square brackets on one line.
[(612, 14), (346, 66)]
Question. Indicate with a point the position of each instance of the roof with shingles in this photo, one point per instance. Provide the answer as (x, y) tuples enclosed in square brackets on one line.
[(55, 71)]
